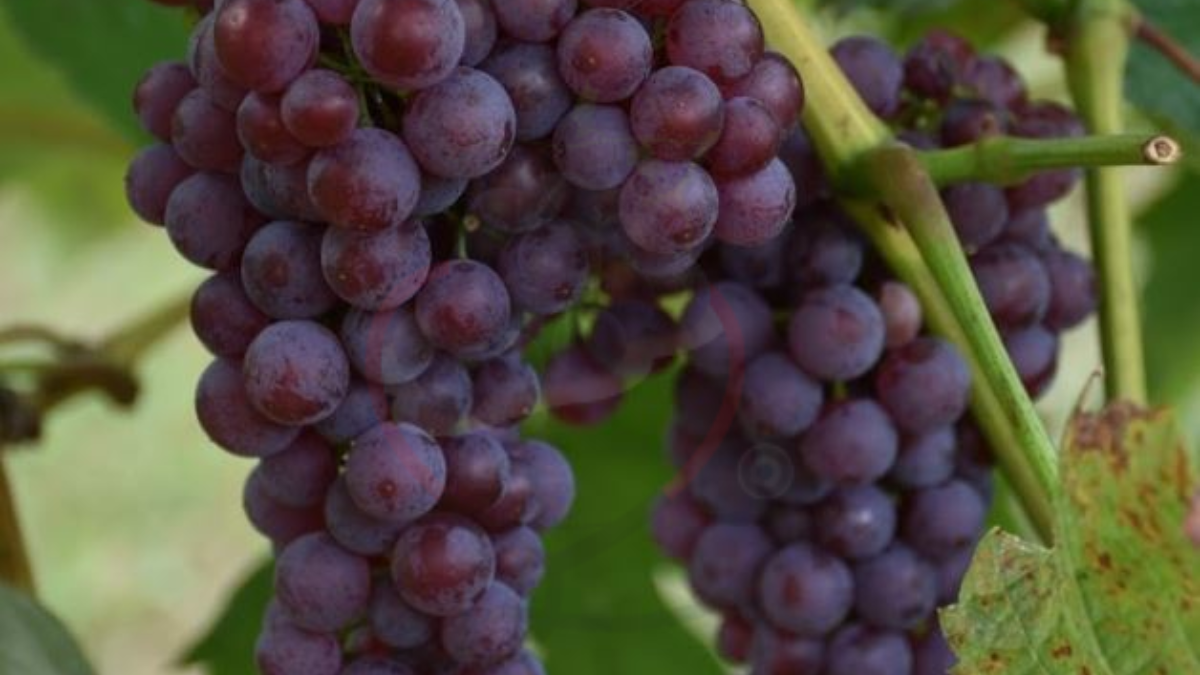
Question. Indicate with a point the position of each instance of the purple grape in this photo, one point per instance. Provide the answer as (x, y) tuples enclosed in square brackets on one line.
[(205, 135), (409, 44), (676, 523), (804, 590), (720, 485), (1045, 120), (726, 562), (853, 442), (335, 12), (261, 131), (395, 472), (520, 560), (529, 73), (524, 663), (277, 190), (800, 156), (522, 194), (505, 391), (931, 654), (438, 194), (939, 522), (951, 572), (545, 270), (1073, 294), (902, 313), (578, 390), (635, 337), (376, 665), (749, 142), (492, 630), (552, 478), (594, 147), (1034, 353), (775, 83), (720, 38), (935, 65), (534, 20), (394, 622), (283, 649), (604, 55), (734, 638), (1031, 227), (925, 460), (209, 220), (355, 530), (368, 182), (855, 522), (966, 121), (464, 306), (896, 589), (789, 524), (778, 399), (925, 384), (677, 114), (776, 653), (836, 333), (518, 505), (443, 564), (281, 524), (321, 586), (479, 30), (223, 318), (1014, 284), (320, 108), (724, 327), (281, 271), (438, 399), (978, 211), (386, 348), (755, 208), (226, 415), (874, 70), (376, 271), (265, 44), (461, 127), (300, 476), (477, 472), (296, 372), (158, 94), (859, 649), (207, 69), (824, 250), (153, 175), (364, 407)]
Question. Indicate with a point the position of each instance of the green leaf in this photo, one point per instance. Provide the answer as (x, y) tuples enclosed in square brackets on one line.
[(598, 611), (102, 47), (1117, 595), (1152, 82), (228, 646), (33, 642)]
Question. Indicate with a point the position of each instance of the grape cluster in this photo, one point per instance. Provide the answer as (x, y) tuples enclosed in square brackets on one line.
[(393, 196), (834, 488)]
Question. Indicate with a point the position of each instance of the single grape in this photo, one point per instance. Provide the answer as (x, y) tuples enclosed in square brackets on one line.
[(725, 564), (994, 79), (438, 400), (277, 522), (518, 505), (479, 30), (463, 306), (369, 182), (578, 390), (896, 589), (395, 472), (836, 333), (529, 73), (720, 38), (281, 271), (775, 83), (461, 127), (853, 442), (386, 348), (204, 135), (902, 313), (1031, 227), (395, 622), (800, 156), (545, 270), (940, 521), (823, 250), (265, 44), (951, 572), (978, 211), (158, 94), (534, 20), (152, 177), (724, 327), (635, 337), (777, 653), (377, 271), (296, 372), (261, 130), (320, 108), (552, 478), (677, 114), (804, 590), (227, 416), (931, 654), (594, 147), (855, 522), (492, 630), (604, 55), (409, 44), (364, 407), (719, 482), (321, 586), (1034, 353), (443, 564), (284, 649), (935, 64), (925, 460), (522, 194), (859, 649), (505, 391), (353, 529), (669, 207), (300, 476), (1014, 284), (1073, 294), (749, 142), (280, 191), (778, 399), (223, 318), (925, 384), (477, 471), (875, 71), (755, 208), (520, 560), (676, 523), (438, 194)]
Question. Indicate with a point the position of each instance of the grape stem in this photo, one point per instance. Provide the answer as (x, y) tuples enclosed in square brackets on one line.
[(910, 228), (15, 569), (1173, 51)]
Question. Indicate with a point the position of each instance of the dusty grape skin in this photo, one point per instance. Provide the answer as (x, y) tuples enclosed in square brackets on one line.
[(296, 372), (804, 590), (778, 399), (720, 38), (931, 654), (874, 70), (520, 559), (855, 522), (836, 333), (1014, 284), (463, 306), (283, 649), (966, 121), (902, 313), (553, 481), (545, 270), (529, 73), (522, 194), (668, 207), (320, 586), (353, 529), (277, 190), (405, 44), (261, 131), (300, 476), (978, 211), (462, 127), (777, 653), (935, 64), (925, 385), (941, 521), (775, 83), (209, 220), (677, 114), (749, 141), (860, 649), (376, 665), (826, 251), (369, 182), (152, 176), (853, 442), (206, 67), (925, 460), (278, 523), (364, 407), (635, 337), (394, 622), (490, 631), (1073, 294), (896, 589), (204, 135), (724, 327), (378, 270), (265, 44), (281, 271), (604, 55), (443, 564), (534, 20), (725, 563), (438, 194), (594, 147), (223, 318), (505, 391), (734, 638), (578, 390), (676, 524), (479, 30), (320, 108), (1034, 353), (386, 348), (157, 95), (477, 472), (395, 472), (755, 208), (230, 420), (518, 505)]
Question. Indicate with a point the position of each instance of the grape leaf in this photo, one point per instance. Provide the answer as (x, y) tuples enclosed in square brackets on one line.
[(1152, 82), (33, 642), (1119, 593), (101, 47), (598, 611), (228, 646)]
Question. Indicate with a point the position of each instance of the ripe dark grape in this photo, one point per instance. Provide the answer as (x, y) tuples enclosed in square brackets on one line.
[(734, 638), (545, 270), (726, 562), (296, 372), (855, 522), (438, 399), (749, 142), (836, 333), (479, 30), (336, 12), (529, 73), (438, 194), (377, 665), (853, 442), (779, 400), (505, 391), (936, 64), (925, 460), (668, 207), (534, 20), (896, 589), (1045, 120), (321, 586), (755, 208), (774, 82), (227, 416), (720, 38), (368, 182), (979, 212), (677, 114), (352, 528), (280, 191), (157, 95), (463, 306), (490, 631), (931, 654), (724, 327), (320, 108), (604, 55), (376, 271), (1014, 284), (265, 44), (386, 348), (938, 522), (443, 565), (924, 385), (522, 194), (408, 44), (461, 127), (279, 523), (223, 318), (300, 476), (966, 121), (394, 622), (777, 653), (874, 70), (634, 337), (902, 313), (209, 220), (152, 177), (283, 649), (1073, 295), (594, 147), (676, 524), (553, 481), (804, 590), (261, 130), (824, 251), (995, 80), (859, 649), (520, 559), (578, 390), (395, 472), (281, 271), (207, 69), (477, 472), (1034, 353), (364, 407)]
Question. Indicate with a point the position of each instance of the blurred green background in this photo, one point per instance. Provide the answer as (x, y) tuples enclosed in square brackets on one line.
[(134, 521)]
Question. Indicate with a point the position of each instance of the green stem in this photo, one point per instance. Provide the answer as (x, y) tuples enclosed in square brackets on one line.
[(930, 261), (15, 569), (1097, 51), (1007, 160)]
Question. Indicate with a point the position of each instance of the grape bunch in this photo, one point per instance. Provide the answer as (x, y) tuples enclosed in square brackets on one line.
[(393, 198), (833, 487)]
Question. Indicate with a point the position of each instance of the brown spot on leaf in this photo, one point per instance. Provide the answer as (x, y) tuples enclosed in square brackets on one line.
[(1062, 651), (1105, 561)]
